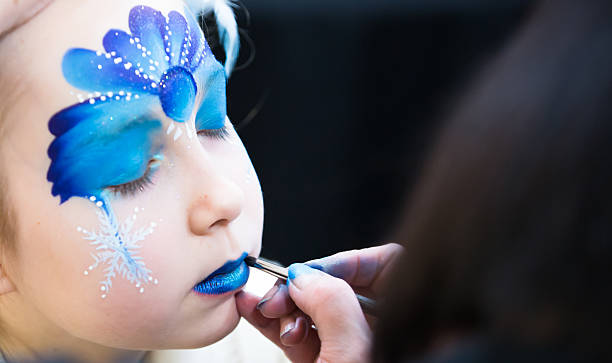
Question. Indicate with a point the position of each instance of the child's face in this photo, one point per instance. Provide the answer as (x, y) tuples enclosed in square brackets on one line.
[(202, 208)]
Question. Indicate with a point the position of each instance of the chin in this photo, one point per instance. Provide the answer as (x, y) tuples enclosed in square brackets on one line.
[(222, 321)]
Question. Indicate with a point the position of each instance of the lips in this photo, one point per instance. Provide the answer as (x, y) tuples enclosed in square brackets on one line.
[(231, 276)]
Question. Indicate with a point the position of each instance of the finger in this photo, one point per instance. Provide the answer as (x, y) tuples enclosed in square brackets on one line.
[(277, 302), (307, 351), (294, 329), (332, 305), (246, 303), (362, 269), (270, 328)]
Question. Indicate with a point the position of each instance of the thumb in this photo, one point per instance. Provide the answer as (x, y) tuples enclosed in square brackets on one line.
[(331, 304)]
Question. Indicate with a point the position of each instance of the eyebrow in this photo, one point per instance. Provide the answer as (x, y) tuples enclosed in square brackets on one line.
[(41, 6)]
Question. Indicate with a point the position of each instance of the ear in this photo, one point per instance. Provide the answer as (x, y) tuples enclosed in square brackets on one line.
[(6, 285)]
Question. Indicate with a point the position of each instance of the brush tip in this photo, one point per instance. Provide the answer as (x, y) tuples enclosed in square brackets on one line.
[(250, 260)]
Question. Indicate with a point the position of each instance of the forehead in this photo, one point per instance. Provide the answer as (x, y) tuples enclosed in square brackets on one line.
[(33, 86), (15, 13)]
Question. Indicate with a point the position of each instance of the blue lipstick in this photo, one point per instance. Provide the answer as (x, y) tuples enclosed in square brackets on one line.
[(231, 276)]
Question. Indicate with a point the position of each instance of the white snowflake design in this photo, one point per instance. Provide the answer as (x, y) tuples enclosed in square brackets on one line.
[(116, 248)]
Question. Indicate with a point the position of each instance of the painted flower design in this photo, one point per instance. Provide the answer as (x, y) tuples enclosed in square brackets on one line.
[(162, 61), (163, 58)]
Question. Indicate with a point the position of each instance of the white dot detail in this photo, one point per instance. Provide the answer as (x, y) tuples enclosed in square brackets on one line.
[(178, 133)]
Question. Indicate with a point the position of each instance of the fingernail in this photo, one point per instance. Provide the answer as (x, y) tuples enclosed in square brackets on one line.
[(287, 330), (295, 271), (269, 295), (316, 264)]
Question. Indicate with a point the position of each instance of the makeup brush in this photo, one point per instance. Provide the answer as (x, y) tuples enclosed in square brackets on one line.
[(367, 305)]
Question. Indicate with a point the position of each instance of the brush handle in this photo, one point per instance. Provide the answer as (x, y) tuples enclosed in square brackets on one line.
[(367, 305)]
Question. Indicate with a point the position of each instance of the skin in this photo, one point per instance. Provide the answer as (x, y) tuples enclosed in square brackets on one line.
[(207, 209)]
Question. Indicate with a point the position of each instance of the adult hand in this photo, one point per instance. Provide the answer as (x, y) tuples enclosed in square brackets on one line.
[(322, 292)]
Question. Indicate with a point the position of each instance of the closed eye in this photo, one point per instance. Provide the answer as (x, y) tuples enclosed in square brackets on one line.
[(218, 134), (139, 185)]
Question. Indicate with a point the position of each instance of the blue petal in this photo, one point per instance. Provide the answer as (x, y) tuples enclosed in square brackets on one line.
[(177, 32), (91, 71), (124, 45), (99, 145), (147, 24), (213, 110), (177, 93), (198, 47), (99, 111)]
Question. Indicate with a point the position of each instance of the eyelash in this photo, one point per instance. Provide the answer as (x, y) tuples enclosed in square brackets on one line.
[(131, 188), (217, 134)]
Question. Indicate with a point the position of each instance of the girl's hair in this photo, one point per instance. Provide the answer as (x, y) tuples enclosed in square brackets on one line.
[(226, 26), (509, 234), (7, 217)]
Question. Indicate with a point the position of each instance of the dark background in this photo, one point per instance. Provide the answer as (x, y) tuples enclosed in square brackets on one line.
[(347, 95)]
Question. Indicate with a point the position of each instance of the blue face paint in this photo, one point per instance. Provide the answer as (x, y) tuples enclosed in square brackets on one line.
[(108, 140), (211, 114), (92, 150)]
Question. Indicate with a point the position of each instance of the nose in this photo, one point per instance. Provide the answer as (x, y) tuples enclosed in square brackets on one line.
[(218, 205)]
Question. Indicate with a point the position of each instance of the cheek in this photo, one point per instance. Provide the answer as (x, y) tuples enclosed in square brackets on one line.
[(52, 275), (54, 279), (54, 257)]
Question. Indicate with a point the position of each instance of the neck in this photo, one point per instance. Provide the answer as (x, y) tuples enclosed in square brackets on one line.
[(15, 351)]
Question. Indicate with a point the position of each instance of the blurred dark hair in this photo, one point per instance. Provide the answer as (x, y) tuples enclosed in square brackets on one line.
[(509, 233)]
